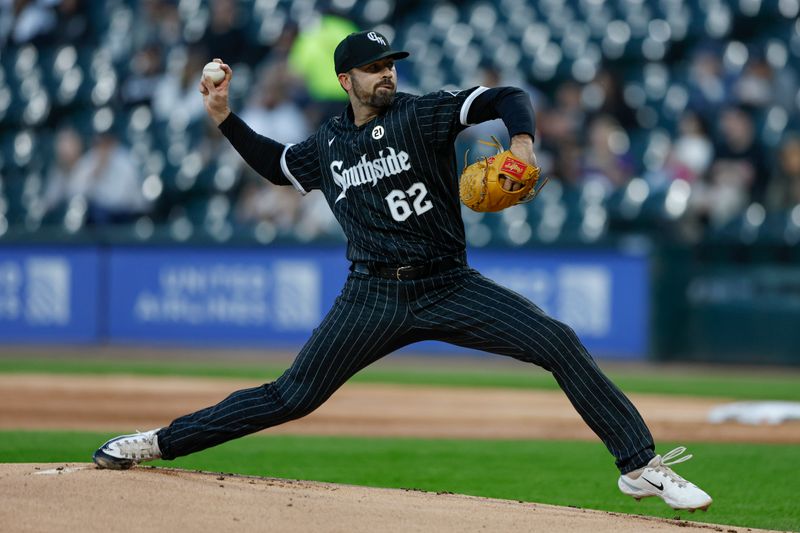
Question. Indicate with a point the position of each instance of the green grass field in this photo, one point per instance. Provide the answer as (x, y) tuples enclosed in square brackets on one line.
[(753, 485), (739, 386)]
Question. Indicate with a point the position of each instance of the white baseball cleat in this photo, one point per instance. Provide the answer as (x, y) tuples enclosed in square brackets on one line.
[(121, 453), (658, 479)]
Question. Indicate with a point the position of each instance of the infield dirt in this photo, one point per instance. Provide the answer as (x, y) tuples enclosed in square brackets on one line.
[(77, 497), (124, 403)]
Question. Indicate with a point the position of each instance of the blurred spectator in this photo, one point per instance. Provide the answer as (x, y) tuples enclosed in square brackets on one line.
[(754, 86), (176, 93), (311, 57), (564, 121), (225, 36), (607, 158), (708, 90), (739, 153), (735, 173), (218, 156), (761, 85), (567, 165), (784, 189), (146, 71), (271, 112), (315, 219), (604, 96), (214, 146), (569, 115), (156, 21), (283, 45), (260, 201), (722, 196), (26, 21), (689, 157), (73, 22), (559, 127), (68, 149), (693, 150), (288, 215), (109, 179)]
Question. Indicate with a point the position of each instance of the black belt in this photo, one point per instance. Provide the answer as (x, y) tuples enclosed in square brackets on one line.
[(409, 272)]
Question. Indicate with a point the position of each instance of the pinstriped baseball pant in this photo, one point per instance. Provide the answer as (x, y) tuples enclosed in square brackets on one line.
[(373, 317)]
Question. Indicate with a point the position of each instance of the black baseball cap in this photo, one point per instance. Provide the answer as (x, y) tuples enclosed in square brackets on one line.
[(362, 48)]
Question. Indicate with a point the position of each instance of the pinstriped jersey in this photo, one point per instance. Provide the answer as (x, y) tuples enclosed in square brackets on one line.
[(391, 183)]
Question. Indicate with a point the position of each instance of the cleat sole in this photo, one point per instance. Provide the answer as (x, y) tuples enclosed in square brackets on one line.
[(105, 461), (693, 509)]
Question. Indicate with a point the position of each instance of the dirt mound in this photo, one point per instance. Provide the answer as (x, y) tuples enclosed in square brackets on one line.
[(78, 497)]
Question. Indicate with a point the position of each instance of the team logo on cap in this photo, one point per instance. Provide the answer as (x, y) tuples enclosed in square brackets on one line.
[(372, 36), (377, 132)]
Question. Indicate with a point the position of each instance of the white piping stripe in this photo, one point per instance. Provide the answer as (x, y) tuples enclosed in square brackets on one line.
[(288, 173), (468, 102)]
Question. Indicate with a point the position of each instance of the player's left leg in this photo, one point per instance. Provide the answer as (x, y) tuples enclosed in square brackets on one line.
[(475, 312), (483, 315)]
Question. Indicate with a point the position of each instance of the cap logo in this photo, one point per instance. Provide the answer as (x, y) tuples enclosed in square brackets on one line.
[(372, 36)]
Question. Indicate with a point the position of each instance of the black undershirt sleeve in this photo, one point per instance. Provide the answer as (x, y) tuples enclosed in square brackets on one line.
[(261, 153), (511, 104)]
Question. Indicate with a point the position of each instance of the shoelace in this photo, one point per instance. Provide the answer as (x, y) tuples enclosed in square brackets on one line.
[(132, 449), (672, 458)]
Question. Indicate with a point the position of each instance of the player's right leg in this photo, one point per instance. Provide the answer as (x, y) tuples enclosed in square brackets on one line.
[(367, 321)]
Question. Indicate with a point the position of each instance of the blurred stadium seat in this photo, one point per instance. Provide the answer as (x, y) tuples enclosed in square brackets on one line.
[(651, 46)]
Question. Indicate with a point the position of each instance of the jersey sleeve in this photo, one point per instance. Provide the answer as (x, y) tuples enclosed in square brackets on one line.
[(443, 114), (300, 164)]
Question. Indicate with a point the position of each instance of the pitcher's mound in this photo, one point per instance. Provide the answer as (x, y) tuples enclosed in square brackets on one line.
[(78, 497)]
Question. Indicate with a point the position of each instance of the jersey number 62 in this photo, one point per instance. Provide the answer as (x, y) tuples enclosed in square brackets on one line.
[(398, 201)]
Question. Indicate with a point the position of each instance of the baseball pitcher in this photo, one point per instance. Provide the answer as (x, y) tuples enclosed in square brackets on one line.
[(387, 167)]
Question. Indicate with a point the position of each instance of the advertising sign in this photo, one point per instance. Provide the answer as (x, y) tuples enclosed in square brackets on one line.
[(276, 297), (49, 294), (603, 296), (232, 297)]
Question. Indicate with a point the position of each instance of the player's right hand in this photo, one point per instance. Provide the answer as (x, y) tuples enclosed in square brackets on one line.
[(215, 97)]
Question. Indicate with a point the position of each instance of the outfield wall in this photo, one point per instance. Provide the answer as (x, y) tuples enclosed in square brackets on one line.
[(275, 296)]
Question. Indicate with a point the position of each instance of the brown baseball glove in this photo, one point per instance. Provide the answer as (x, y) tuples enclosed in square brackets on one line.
[(494, 183)]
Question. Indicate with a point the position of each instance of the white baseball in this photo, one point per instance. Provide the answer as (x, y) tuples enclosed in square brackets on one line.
[(214, 72)]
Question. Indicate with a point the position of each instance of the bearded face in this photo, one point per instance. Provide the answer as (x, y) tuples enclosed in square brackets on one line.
[(375, 85)]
